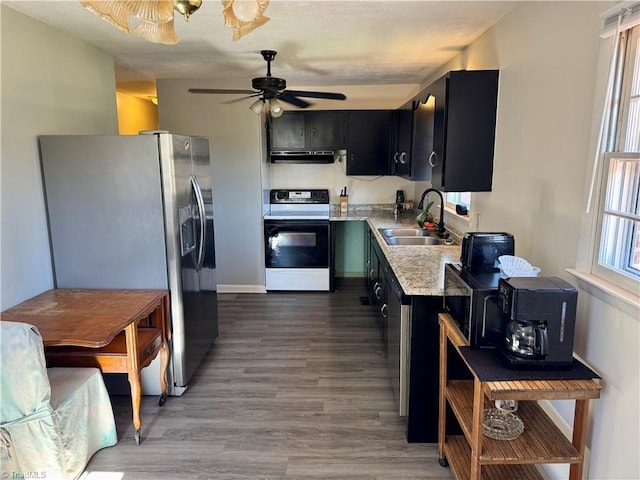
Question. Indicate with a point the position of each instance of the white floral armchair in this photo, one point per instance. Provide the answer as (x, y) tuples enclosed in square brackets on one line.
[(51, 420)]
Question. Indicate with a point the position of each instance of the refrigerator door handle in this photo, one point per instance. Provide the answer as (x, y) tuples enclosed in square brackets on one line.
[(203, 220)]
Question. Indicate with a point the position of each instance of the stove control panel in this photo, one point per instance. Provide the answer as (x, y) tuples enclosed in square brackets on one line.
[(318, 196)]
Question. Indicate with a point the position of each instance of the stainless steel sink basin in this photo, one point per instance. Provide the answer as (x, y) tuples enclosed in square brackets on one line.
[(403, 232), (416, 240)]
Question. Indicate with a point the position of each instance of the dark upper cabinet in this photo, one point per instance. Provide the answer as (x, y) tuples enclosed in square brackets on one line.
[(288, 131), (368, 143), (413, 140), (464, 130), (320, 129), (326, 129), (422, 137), (402, 137)]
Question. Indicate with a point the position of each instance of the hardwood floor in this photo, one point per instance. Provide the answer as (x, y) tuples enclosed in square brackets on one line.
[(295, 387)]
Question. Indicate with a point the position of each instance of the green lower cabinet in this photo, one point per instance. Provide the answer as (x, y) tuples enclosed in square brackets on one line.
[(348, 248)]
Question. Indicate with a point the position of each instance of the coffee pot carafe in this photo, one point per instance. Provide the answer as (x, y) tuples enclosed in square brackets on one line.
[(527, 339), (540, 314)]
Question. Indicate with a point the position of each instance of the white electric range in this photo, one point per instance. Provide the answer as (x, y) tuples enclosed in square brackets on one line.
[(297, 240)]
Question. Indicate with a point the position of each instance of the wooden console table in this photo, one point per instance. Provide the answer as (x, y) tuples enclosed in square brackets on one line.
[(117, 331), (472, 456)]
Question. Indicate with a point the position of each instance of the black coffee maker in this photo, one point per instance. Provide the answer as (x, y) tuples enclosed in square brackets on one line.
[(540, 314)]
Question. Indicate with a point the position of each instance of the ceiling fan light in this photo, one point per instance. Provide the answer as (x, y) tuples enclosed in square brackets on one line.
[(245, 10), (157, 32), (275, 108), (257, 107), (115, 13)]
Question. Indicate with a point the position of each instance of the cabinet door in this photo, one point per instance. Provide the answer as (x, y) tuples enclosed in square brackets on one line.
[(382, 308), (394, 324), (404, 132), (464, 130), (369, 142), (422, 144), (325, 130), (438, 91), (288, 131)]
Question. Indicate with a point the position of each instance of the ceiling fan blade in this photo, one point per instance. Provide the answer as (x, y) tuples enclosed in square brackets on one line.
[(221, 90), (328, 95), (236, 100), (288, 98)]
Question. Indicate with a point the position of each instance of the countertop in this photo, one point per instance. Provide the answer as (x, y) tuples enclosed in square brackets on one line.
[(418, 268)]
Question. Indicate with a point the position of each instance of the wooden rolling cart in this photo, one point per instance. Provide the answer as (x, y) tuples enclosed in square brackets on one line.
[(473, 456)]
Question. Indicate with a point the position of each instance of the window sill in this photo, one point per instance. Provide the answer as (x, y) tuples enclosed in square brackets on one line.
[(608, 292), (462, 223)]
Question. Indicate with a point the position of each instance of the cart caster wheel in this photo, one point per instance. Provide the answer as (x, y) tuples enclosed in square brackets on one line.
[(443, 462), (136, 436), (163, 399)]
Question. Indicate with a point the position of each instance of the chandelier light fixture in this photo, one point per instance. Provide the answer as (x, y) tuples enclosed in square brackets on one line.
[(153, 19), (244, 16)]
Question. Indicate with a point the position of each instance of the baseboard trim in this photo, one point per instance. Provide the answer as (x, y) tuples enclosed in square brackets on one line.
[(241, 289)]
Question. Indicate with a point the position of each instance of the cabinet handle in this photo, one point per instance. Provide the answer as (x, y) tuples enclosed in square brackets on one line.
[(371, 275), (377, 291), (403, 158), (395, 157), (383, 310), (433, 159)]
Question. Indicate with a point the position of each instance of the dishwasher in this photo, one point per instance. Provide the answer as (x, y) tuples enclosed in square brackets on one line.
[(398, 340)]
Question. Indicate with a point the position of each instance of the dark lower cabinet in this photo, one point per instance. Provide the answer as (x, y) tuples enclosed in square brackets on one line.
[(412, 355), (422, 414)]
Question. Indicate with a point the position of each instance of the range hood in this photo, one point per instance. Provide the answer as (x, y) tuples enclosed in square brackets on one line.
[(302, 156)]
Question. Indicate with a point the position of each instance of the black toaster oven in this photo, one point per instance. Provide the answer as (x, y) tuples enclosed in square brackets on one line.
[(481, 250)]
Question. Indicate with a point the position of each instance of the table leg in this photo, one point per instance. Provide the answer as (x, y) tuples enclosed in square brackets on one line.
[(133, 373), (164, 364), (580, 420), (442, 402), (476, 429), (164, 348)]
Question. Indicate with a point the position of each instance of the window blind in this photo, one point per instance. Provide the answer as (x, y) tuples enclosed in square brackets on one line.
[(630, 17)]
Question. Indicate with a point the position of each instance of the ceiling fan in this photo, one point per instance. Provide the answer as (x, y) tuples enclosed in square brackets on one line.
[(272, 89)]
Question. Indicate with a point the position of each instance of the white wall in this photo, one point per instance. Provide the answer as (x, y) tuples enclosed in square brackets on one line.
[(235, 139), (52, 83), (551, 88), (361, 189)]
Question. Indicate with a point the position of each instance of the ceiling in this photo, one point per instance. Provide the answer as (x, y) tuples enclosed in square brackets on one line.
[(319, 43)]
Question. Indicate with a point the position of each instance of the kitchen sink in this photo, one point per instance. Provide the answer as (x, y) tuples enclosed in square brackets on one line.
[(411, 236), (403, 232), (415, 240)]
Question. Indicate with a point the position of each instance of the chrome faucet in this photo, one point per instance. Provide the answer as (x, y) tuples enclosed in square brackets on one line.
[(441, 229)]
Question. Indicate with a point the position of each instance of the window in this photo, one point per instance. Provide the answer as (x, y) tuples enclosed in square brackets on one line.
[(617, 258), (619, 248), (458, 198)]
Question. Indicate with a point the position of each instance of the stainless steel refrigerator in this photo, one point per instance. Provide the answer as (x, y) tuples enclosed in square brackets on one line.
[(136, 212)]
